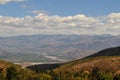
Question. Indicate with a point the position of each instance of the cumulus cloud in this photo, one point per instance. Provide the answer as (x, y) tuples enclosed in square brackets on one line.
[(43, 23), (7, 1)]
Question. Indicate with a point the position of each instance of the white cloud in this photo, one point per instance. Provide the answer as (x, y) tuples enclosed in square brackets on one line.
[(46, 24), (7, 1), (39, 12)]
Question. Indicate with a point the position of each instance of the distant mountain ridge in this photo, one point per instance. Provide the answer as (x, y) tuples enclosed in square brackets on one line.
[(53, 48)]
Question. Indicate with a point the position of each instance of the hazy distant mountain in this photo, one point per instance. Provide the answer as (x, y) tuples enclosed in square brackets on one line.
[(53, 48)]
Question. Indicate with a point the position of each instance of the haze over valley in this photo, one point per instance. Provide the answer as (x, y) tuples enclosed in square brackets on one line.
[(53, 48)]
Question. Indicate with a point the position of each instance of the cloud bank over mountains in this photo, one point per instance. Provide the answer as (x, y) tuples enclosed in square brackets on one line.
[(7, 1), (43, 23)]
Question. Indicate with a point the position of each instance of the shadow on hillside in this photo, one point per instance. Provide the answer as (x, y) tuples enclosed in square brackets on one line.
[(43, 67)]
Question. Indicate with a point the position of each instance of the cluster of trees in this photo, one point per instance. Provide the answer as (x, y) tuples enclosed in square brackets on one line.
[(15, 73)]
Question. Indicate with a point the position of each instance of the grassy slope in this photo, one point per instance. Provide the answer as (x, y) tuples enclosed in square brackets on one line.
[(5, 64), (104, 63)]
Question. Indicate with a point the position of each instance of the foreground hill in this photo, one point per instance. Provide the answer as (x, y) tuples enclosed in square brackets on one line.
[(97, 68), (103, 63)]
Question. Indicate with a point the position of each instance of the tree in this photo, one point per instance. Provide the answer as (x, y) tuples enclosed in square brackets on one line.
[(106, 76), (2, 74), (12, 73), (95, 74), (43, 76)]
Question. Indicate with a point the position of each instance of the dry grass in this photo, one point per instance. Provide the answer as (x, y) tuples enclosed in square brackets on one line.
[(103, 63)]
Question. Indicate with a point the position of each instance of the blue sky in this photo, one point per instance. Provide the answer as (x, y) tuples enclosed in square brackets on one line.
[(61, 7), (36, 17)]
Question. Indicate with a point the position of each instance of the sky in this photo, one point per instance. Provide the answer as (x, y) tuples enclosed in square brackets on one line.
[(81, 17)]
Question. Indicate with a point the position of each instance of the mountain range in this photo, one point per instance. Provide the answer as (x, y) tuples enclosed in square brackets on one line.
[(53, 48)]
